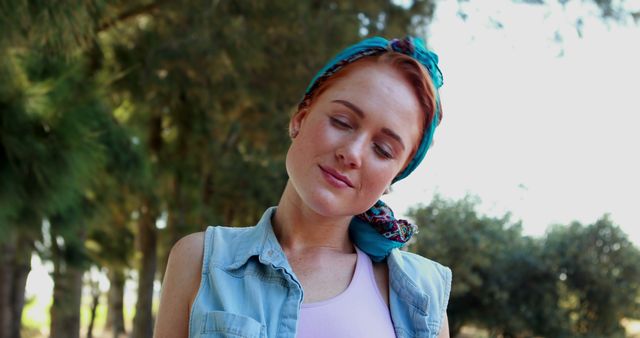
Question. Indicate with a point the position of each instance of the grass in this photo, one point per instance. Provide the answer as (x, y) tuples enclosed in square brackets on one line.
[(36, 317)]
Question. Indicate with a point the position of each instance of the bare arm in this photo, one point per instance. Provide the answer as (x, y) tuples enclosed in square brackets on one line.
[(444, 330), (179, 288)]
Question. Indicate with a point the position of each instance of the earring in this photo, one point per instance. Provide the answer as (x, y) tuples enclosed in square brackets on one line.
[(293, 132)]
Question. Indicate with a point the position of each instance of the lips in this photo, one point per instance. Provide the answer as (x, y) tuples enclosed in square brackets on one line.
[(335, 177)]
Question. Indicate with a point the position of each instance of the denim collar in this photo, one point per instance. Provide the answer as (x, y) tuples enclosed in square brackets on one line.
[(258, 240)]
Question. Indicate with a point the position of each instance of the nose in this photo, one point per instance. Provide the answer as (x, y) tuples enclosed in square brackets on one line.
[(351, 153)]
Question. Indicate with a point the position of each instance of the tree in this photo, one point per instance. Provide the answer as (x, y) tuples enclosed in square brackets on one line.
[(598, 269), (475, 247), (578, 281), (47, 156)]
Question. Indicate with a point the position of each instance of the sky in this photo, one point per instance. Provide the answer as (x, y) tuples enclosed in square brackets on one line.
[(539, 120)]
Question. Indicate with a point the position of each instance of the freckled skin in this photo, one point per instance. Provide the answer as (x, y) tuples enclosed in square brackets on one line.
[(331, 134)]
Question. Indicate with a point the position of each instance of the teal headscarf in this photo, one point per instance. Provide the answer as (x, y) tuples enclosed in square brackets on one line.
[(377, 231)]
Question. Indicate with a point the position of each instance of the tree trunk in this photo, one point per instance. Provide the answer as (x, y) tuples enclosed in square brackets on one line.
[(95, 301), (69, 260), (15, 264), (147, 236), (22, 267), (7, 257), (67, 292), (454, 330), (147, 241), (115, 314)]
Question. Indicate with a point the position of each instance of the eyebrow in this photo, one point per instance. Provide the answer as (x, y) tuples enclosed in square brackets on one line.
[(361, 114)]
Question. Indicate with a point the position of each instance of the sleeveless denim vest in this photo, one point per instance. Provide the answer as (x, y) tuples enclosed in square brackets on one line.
[(248, 288)]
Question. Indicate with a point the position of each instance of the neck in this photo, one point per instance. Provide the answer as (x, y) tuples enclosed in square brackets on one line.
[(300, 229)]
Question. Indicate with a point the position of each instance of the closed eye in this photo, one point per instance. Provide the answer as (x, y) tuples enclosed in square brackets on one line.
[(339, 123), (382, 152)]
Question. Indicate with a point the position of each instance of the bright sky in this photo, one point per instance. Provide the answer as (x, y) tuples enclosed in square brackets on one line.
[(532, 125)]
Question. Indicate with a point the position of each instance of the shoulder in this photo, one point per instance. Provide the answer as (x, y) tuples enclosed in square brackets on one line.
[(187, 253), (180, 285), (427, 275), (231, 246), (228, 232), (424, 267), (423, 283), (188, 247), (185, 262)]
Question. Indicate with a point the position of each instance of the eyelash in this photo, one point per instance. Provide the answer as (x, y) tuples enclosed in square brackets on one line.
[(380, 151), (340, 124), (383, 153)]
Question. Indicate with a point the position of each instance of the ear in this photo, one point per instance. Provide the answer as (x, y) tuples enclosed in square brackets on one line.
[(297, 120)]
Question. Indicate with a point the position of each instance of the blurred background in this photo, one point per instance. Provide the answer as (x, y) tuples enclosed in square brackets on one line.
[(126, 125)]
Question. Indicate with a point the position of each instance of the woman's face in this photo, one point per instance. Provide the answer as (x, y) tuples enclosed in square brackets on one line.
[(353, 140)]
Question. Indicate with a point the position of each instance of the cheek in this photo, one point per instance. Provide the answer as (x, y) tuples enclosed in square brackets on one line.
[(372, 191), (379, 179), (320, 138), (310, 141)]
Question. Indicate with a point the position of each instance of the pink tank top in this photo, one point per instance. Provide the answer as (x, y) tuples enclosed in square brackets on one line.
[(359, 311)]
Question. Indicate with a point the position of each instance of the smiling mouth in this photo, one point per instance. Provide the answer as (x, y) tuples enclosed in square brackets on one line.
[(335, 177)]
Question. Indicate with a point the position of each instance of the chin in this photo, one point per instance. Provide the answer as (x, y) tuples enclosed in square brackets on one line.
[(329, 205), (325, 204)]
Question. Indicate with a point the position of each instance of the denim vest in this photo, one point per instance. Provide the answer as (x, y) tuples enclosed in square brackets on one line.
[(248, 288)]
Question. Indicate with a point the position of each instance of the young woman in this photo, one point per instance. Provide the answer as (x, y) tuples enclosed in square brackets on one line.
[(325, 261)]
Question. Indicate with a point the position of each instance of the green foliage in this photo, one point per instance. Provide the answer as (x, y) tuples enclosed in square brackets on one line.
[(578, 281), (599, 270), (49, 138), (478, 249), (61, 26)]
